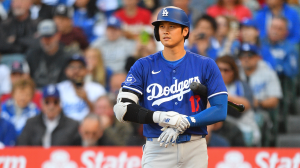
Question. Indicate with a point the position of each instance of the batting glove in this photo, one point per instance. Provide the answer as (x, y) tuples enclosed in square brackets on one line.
[(183, 125), (169, 135), (167, 119)]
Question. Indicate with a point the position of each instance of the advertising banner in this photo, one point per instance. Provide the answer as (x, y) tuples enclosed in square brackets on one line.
[(130, 157)]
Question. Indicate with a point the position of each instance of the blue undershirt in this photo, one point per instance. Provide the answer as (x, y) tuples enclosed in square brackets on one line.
[(173, 63), (217, 112)]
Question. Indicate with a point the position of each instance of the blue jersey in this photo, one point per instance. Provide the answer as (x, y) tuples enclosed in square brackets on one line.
[(165, 87)]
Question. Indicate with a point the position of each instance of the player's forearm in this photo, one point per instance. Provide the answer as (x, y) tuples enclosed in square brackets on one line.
[(217, 112), (138, 114)]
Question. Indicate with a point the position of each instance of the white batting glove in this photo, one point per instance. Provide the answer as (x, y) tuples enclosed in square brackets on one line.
[(183, 125), (170, 119), (169, 135)]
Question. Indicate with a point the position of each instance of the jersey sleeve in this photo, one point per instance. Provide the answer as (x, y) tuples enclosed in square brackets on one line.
[(213, 80), (134, 79)]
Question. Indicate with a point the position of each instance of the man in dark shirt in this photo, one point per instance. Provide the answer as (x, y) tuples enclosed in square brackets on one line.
[(72, 37), (91, 132), (51, 127), (48, 60), (16, 32)]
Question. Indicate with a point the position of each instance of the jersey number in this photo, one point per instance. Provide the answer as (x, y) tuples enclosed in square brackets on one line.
[(192, 100)]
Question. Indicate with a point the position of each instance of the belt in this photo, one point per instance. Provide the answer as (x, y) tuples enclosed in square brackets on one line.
[(183, 138)]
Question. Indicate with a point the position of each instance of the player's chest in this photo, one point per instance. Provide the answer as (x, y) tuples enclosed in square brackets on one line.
[(163, 84)]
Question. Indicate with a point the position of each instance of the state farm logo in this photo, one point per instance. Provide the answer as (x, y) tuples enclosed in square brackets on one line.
[(59, 159), (234, 159), (271, 160), (92, 159)]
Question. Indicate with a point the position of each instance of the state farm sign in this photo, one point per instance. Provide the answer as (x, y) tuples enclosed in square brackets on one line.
[(271, 160), (130, 157)]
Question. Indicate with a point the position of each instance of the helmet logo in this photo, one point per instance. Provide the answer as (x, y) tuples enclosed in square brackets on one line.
[(165, 12)]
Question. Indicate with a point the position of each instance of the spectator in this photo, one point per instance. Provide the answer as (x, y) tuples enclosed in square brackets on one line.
[(47, 61), (119, 133), (151, 5), (91, 132), (115, 47), (19, 108), (97, 71), (231, 133), (145, 45), (108, 6), (77, 96), (40, 10), (134, 18), (8, 134), (87, 17), (275, 8), (72, 37), (281, 54), (51, 127), (226, 36), (16, 33), (19, 71), (230, 8), (240, 93), (215, 140), (5, 83), (261, 78), (249, 33), (201, 39), (115, 84)]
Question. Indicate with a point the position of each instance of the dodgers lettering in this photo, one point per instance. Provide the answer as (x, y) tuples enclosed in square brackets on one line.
[(158, 91)]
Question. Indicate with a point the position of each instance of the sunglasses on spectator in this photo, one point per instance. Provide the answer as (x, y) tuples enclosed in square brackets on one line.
[(55, 102), (225, 70)]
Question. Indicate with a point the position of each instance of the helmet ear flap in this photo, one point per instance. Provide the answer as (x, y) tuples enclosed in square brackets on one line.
[(156, 33)]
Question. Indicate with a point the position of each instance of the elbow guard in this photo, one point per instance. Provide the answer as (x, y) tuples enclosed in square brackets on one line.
[(123, 100), (127, 109)]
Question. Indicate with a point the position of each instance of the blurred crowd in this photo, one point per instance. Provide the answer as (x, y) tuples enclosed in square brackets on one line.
[(63, 63)]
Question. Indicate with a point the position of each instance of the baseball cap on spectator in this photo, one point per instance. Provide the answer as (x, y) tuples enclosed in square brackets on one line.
[(77, 57), (249, 23), (248, 49), (47, 28), (50, 91), (64, 11), (17, 67), (114, 22)]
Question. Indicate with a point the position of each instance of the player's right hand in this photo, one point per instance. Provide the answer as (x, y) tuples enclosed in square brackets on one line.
[(172, 119), (168, 135)]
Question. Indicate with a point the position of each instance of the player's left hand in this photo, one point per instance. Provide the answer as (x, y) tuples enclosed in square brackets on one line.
[(169, 135)]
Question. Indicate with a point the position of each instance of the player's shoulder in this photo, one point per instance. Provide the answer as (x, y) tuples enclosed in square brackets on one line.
[(198, 58), (150, 58)]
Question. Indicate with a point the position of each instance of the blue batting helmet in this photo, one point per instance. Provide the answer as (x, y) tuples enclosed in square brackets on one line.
[(171, 14)]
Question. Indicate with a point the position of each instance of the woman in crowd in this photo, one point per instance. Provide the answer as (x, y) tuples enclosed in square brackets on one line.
[(226, 36), (240, 93), (20, 107), (98, 72), (87, 17), (230, 8)]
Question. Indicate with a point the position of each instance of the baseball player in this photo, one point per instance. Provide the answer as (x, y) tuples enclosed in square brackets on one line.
[(156, 93)]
